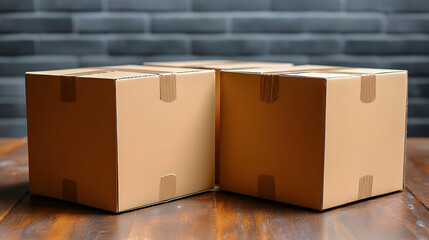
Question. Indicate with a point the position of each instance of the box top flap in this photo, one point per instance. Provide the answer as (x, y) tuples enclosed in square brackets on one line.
[(282, 69), (363, 71), (326, 76), (317, 71), (152, 69), (118, 75), (70, 72)]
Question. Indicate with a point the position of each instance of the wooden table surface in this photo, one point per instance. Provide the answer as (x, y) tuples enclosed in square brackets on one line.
[(222, 215)]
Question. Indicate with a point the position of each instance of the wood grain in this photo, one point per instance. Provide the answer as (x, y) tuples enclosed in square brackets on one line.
[(417, 169), (223, 215), (220, 215), (13, 173)]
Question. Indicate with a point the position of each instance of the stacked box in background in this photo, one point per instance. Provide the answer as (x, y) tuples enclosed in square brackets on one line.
[(314, 138), (119, 140), (218, 66)]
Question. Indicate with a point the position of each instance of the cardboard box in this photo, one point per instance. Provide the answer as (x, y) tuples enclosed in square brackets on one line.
[(219, 65), (120, 140), (314, 139)]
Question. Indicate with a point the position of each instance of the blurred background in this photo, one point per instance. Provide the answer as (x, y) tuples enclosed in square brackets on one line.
[(55, 34)]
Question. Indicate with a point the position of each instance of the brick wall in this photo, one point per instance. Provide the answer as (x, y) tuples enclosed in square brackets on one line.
[(50, 34)]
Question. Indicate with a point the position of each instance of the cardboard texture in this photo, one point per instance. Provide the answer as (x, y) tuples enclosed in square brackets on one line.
[(218, 66), (314, 138), (118, 140)]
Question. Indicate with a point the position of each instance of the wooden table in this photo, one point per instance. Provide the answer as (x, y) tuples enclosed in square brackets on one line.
[(401, 215)]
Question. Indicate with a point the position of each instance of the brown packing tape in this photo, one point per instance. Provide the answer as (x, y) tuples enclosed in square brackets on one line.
[(368, 85), (68, 85), (68, 88), (269, 88), (86, 73), (167, 87), (167, 187), (365, 187), (266, 187), (368, 88), (69, 190)]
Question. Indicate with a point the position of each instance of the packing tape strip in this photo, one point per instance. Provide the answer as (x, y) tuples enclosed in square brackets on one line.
[(365, 187), (367, 88), (266, 187), (69, 190), (68, 84), (167, 87), (368, 85), (269, 88), (167, 187)]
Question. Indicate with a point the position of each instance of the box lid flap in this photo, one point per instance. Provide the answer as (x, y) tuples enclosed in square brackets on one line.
[(363, 71), (319, 75), (70, 72), (118, 75), (152, 69), (283, 69)]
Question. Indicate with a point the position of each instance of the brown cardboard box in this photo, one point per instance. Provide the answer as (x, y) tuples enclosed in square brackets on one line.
[(314, 139), (219, 65), (120, 140)]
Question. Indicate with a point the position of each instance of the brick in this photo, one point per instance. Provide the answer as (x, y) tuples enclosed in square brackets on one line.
[(12, 87), (416, 65), (188, 24), (70, 5), (306, 5), (16, 5), (17, 66), (387, 46), (13, 127), (16, 47), (35, 24), (388, 5), (72, 47), (149, 5), (228, 5), (418, 107), (306, 46), (229, 47), (407, 23), (114, 23), (350, 61), (299, 23), (418, 127), (418, 87), (100, 60), (147, 46), (11, 107)]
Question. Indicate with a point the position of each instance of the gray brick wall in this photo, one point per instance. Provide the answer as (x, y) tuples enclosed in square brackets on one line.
[(53, 34)]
